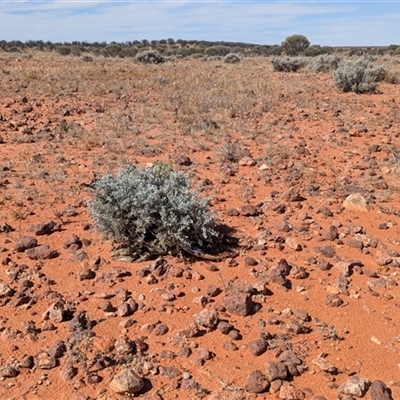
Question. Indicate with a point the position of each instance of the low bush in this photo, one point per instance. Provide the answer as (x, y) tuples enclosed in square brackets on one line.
[(150, 57), (359, 76), (151, 211), (232, 58), (324, 63), (288, 64)]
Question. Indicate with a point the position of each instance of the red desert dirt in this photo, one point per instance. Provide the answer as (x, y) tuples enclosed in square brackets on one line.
[(306, 177)]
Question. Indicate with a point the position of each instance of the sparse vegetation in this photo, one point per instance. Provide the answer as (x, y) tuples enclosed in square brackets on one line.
[(151, 211), (359, 76), (288, 64), (150, 57)]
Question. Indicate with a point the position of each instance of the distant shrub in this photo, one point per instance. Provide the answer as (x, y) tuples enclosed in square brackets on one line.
[(359, 76), (295, 44), (150, 57), (151, 211), (288, 64), (64, 50), (324, 63), (232, 58), (87, 58)]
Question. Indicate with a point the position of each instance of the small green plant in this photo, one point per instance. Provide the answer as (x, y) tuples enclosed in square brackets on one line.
[(151, 211), (295, 44), (359, 76)]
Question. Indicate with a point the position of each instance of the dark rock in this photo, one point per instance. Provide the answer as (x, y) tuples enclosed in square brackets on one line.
[(379, 391), (257, 382), (183, 160), (331, 233), (234, 334), (44, 228), (249, 210), (25, 243), (232, 212), (333, 300), (57, 350), (68, 371), (275, 370), (161, 330), (238, 303), (257, 347), (224, 327), (326, 250), (250, 261), (43, 252), (213, 290)]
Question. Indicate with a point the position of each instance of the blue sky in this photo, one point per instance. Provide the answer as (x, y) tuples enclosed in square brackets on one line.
[(331, 23)]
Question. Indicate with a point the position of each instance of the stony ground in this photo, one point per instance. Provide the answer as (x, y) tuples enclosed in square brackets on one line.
[(307, 178)]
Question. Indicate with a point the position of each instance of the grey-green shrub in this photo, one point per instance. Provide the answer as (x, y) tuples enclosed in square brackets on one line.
[(359, 76), (150, 57), (151, 211), (232, 58), (288, 64), (324, 63)]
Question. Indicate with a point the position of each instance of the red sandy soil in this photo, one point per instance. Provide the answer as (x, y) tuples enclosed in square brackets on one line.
[(290, 145)]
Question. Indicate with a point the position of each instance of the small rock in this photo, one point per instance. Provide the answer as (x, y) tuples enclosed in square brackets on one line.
[(44, 361), (379, 391), (207, 318), (355, 386), (333, 300), (290, 392), (250, 261), (355, 202), (5, 290), (331, 233), (8, 371), (249, 210), (238, 303), (57, 350), (293, 244), (55, 312), (44, 228), (43, 252), (383, 257), (161, 330), (324, 365), (224, 327), (126, 381), (257, 382), (68, 371), (25, 243), (275, 370), (257, 347)]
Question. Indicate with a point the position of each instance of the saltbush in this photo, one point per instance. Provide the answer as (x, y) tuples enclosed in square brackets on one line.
[(324, 63), (288, 64), (150, 57), (232, 58), (359, 76), (151, 211)]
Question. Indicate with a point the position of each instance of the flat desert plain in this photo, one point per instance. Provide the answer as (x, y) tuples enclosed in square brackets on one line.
[(306, 177)]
